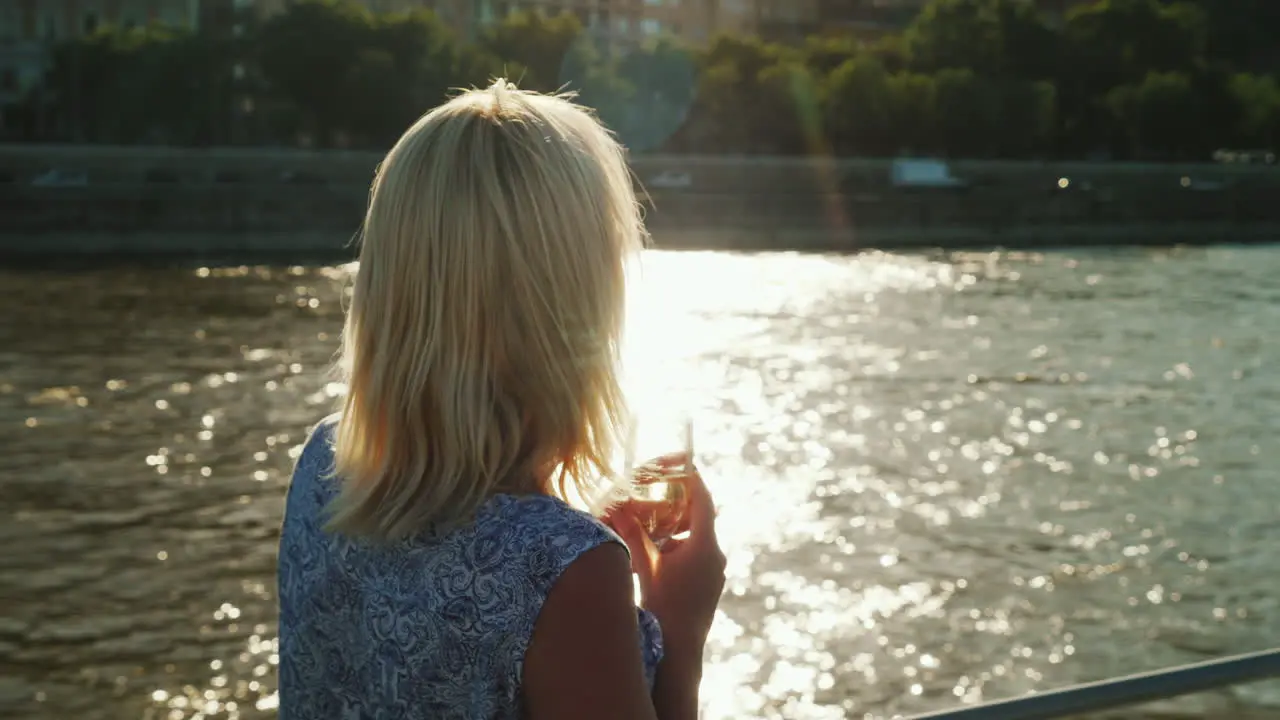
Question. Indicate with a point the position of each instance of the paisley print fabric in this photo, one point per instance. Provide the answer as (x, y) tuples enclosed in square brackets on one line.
[(432, 627)]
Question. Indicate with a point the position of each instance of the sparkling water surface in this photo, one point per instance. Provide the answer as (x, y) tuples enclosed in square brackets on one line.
[(944, 479)]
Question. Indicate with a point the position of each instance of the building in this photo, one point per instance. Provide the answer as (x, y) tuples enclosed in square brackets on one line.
[(625, 23), (793, 20), (616, 23), (22, 56), (869, 19), (222, 17), (866, 19), (773, 19), (29, 29), (54, 20)]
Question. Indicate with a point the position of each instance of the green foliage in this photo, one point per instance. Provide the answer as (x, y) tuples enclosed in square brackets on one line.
[(859, 107), (653, 92), (534, 48), (1242, 33), (969, 106), (913, 114), (990, 37), (356, 77), (146, 84), (1120, 41), (1160, 113), (1155, 79), (1257, 100)]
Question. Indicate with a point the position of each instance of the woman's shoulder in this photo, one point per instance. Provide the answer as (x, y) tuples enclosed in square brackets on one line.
[(314, 458), (544, 518), (323, 431), (319, 440), (544, 532), (555, 535), (546, 529)]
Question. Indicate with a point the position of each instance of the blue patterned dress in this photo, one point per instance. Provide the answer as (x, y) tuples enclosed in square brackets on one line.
[(432, 627)]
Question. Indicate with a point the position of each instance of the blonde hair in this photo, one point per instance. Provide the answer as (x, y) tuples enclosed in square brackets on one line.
[(481, 347)]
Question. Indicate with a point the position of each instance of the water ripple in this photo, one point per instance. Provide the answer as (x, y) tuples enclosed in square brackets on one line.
[(944, 479)]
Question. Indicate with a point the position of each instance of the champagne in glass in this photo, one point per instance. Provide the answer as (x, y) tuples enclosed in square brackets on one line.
[(658, 485)]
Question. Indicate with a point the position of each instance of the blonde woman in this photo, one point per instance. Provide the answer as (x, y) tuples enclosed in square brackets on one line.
[(430, 564)]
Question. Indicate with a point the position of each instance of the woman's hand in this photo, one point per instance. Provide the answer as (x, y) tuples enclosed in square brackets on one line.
[(681, 582)]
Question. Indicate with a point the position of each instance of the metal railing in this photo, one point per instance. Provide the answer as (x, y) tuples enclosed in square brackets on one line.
[(1124, 691)]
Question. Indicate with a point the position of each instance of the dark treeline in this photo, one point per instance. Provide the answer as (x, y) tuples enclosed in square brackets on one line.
[(1123, 79)]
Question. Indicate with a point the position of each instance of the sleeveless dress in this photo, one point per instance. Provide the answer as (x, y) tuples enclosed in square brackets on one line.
[(435, 626)]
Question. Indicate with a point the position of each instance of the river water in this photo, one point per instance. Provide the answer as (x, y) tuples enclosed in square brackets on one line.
[(943, 479)]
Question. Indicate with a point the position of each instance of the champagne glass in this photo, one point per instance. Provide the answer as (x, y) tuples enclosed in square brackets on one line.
[(658, 487)]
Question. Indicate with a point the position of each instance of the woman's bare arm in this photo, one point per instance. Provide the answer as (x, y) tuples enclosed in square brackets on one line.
[(584, 658)]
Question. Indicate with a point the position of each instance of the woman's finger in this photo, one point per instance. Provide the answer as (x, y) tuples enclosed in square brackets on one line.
[(684, 524), (701, 512), (611, 513), (675, 460)]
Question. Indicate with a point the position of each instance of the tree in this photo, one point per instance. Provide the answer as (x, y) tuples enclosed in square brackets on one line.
[(990, 37), (892, 52), (147, 84), (719, 98), (789, 113), (1242, 33), (1158, 79), (859, 111), (913, 113), (1160, 115), (307, 54), (1028, 118), (360, 78), (1257, 99), (732, 112), (658, 83), (534, 47), (969, 118), (411, 63), (822, 55), (1120, 41)]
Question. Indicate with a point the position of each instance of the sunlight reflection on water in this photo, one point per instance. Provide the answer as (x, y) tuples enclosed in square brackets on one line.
[(942, 480)]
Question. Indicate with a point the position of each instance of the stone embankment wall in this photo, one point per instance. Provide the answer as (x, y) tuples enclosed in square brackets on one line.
[(264, 201)]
